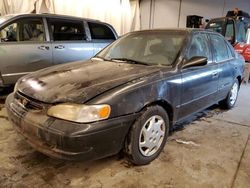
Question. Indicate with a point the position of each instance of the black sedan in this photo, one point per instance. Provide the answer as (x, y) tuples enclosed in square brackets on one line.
[(127, 96)]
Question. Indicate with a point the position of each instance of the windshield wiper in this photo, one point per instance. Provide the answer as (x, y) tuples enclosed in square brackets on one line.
[(129, 61)]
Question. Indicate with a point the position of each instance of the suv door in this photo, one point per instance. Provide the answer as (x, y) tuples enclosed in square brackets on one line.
[(69, 40), (225, 60), (23, 48), (199, 84), (101, 35), (230, 31)]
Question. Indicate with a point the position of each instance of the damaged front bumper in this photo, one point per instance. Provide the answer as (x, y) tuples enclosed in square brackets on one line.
[(68, 140)]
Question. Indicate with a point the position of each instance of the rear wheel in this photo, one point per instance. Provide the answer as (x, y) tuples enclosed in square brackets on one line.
[(148, 136), (232, 96)]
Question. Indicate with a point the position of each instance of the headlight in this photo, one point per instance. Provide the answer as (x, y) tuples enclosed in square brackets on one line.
[(80, 113)]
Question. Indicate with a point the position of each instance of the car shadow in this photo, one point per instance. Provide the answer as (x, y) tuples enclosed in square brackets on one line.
[(47, 169), (209, 112)]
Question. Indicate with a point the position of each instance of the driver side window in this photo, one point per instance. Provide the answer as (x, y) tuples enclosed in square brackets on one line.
[(9, 33), (199, 47), (28, 29)]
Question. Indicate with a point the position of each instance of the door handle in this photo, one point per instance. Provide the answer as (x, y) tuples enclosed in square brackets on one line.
[(215, 75), (43, 47), (59, 47)]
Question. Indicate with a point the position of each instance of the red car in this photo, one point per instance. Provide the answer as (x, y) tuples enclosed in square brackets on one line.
[(244, 47), (235, 27)]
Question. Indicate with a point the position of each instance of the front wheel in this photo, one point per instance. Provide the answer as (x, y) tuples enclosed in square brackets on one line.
[(148, 136), (232, 96)]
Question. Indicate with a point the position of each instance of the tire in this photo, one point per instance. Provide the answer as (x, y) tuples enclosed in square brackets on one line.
[(145, 142), (232, 96)]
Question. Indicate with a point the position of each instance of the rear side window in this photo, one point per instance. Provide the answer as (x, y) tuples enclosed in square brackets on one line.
[(199, 47), (27, 29), (66, 30), (230, 52), (100, 31), (219, 47), (241, 35)]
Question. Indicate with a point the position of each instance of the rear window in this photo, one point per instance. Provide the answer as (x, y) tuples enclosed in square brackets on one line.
[(101, 31), (67, 30), (220, 48)]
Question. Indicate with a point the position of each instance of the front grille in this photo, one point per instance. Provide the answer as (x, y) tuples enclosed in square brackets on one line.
[(30, 103)]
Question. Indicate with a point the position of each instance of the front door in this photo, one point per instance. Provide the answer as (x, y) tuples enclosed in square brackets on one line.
[(23, 48), (199, 84), (69, 40)]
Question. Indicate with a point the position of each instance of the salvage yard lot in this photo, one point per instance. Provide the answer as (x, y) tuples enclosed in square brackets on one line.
[(211, 151)]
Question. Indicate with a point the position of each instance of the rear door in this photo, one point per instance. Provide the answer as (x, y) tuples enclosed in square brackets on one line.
[(225, 60), (199, 84), (69, 40), (101, 35), (24, 48)]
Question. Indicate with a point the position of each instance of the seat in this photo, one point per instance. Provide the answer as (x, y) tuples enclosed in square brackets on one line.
[(158, 54)]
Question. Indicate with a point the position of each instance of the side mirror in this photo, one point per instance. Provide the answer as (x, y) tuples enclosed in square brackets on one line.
[(195, 61)]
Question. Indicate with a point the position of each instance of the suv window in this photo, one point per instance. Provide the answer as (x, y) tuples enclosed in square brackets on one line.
[(248, 36), (100, 31), (241, 35), (28, 29), (199, 47), (219, 47), (66, 30), (229, 35)]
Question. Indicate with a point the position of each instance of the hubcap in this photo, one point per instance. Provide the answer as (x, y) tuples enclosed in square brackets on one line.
[(234, 93), (152, 135)]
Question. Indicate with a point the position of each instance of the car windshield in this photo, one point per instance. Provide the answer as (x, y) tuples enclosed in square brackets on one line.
[(147, 47), (216, 26)]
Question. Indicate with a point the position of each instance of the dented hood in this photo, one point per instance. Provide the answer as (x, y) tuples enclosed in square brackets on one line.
[(80, 81)]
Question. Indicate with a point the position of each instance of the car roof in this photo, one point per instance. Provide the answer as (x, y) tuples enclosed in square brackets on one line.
[(51, 16), (187, 30)]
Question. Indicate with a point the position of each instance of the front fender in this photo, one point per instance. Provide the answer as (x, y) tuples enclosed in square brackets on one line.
[(134, 96)]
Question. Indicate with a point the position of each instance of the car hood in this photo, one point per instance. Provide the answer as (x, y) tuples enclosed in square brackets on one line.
[(80, 81)]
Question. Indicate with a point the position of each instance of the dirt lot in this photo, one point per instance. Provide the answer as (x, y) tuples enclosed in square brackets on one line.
[(213, 150)]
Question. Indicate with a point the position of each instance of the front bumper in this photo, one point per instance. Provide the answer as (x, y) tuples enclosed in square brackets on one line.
[(68, 140)]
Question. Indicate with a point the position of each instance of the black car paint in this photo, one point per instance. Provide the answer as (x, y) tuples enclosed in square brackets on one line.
[(67, 140), (79, 82), (127, 88)]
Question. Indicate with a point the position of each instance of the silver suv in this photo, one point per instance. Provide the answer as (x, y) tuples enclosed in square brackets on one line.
[(30, 42)]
